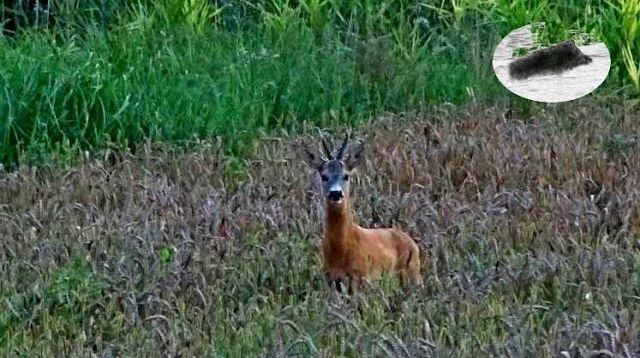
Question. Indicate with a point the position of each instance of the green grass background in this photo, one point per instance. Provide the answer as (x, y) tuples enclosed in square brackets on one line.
[(120, 72)]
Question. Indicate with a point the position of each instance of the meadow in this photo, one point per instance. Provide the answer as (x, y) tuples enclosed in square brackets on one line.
[(152, 202)]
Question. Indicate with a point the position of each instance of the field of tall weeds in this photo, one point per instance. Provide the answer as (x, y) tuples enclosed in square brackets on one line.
[(527, 223), (152, 202)]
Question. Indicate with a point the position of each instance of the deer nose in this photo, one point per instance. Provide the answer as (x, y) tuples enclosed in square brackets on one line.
[(335, 195)]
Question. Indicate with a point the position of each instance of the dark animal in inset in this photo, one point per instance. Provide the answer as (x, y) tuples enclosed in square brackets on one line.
[(555, 59)]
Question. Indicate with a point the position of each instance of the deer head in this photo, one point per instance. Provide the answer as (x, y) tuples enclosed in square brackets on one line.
[(335, 171)]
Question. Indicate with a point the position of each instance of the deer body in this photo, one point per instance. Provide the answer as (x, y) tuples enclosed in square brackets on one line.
[(353, 254)]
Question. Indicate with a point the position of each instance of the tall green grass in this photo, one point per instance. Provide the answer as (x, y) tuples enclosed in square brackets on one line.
[(158, 73), (123, 72)]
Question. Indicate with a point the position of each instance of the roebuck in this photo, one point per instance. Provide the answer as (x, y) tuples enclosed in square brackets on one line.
[(354, 255)]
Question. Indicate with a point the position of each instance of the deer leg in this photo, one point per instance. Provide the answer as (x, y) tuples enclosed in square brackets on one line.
[(413, 267), (358, 283), (353, 284), (335, 282), (417, 279), (340, 285), (403, 277), (415, 276)]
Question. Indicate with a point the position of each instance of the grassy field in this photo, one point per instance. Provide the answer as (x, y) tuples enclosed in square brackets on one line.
[(528, 226), (151, 203)]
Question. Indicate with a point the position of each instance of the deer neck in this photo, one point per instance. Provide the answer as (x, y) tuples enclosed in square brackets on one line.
[(339, 226)]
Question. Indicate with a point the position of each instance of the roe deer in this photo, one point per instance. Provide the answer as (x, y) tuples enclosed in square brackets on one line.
[(352, 254)]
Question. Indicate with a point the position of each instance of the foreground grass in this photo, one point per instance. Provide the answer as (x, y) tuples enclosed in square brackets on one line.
[(528, 226)]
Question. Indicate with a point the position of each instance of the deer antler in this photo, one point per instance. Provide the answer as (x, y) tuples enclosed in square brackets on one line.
[(307, 150), (344, 146), (326, 149)]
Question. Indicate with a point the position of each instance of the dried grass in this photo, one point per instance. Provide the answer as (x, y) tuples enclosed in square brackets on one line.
[(529, 235)]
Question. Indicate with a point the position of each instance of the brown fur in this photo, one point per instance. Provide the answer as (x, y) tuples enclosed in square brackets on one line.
[(355, 255), (352, 254)]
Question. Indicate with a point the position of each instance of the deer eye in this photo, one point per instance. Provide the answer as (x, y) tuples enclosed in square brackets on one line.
[(324, 177), (346, 177)]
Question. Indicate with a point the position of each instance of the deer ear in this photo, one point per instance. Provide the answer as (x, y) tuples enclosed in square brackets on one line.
[(314, 160), (355, 156)]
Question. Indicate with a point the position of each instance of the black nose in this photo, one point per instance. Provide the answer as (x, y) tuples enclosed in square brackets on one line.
[(335, 195)]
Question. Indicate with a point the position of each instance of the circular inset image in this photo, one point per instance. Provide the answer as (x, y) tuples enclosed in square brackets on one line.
[(553, 73)]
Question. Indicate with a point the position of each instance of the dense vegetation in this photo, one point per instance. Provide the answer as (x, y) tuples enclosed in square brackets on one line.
[(529, 233), (121, 71), (167, 215)]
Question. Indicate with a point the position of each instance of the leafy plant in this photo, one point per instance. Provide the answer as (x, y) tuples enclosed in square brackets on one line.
[(165, 256), (200, 14), (627, 17)]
